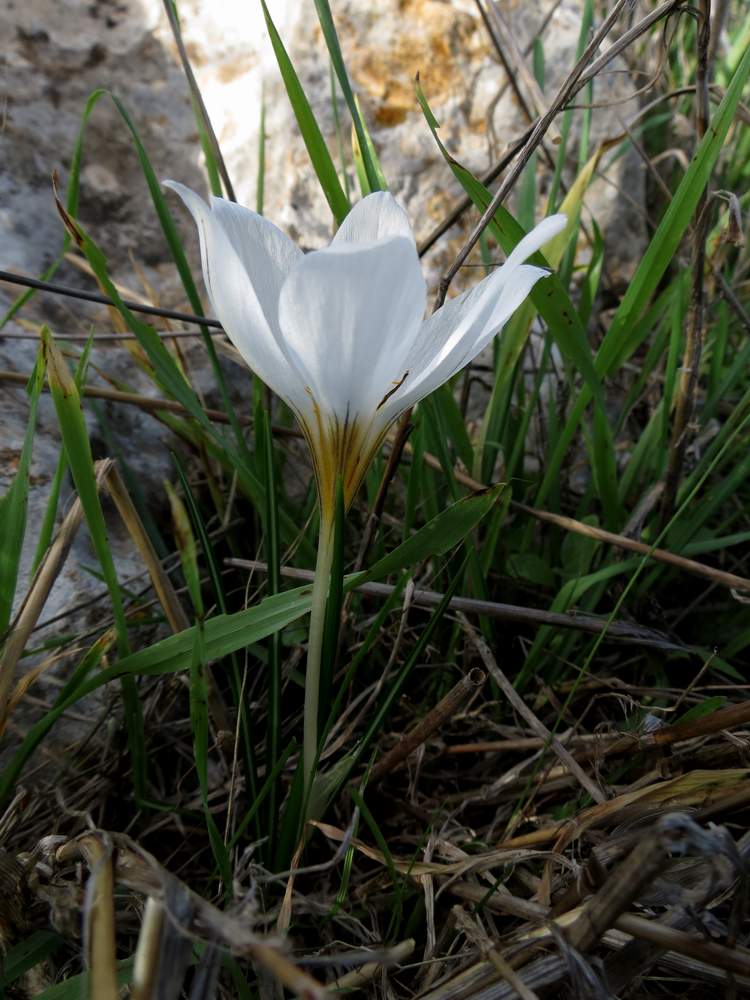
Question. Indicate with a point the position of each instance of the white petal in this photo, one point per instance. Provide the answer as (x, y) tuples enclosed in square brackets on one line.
[(236, 304), (454, 335), (349, 313), (535, 240), (375, 217), (267, 254)]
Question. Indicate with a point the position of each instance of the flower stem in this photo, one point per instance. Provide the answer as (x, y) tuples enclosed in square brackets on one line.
[(315, 646)]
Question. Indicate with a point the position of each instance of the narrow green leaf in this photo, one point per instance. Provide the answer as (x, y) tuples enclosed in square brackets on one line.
[(185, 539), (371, 168), (14, 504), (437, 537), (310, 131), (78, 450), (26, 954)]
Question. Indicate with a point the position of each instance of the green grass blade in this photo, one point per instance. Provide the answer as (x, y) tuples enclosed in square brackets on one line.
[(265, 449), (320, 158), (27, 954), (619, 343), (371, 168), (14, 504), (78, 450)]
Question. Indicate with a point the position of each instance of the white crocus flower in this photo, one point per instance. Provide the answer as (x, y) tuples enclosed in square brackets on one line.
[(340, 335)]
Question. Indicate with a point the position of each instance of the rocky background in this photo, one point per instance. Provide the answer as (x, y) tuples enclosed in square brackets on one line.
[(57, 52)]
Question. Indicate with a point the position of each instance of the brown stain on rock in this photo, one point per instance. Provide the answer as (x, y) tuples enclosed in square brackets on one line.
[(428, 37)]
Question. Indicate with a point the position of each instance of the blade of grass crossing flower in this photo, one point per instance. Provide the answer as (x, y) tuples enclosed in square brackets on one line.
[(14, 504), (339, 130), (317, 150), (260, 180), (78, 450), (372, 171)]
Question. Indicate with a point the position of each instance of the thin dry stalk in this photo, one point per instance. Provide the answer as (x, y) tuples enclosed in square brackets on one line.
[(38, 592), (719, 576), (621, 889), (565, 92), (147, 951), (616, 630), (138, 870), (432, 722), (520, 706), (168, 599), (361, 977), (735, 959), (12, 278)]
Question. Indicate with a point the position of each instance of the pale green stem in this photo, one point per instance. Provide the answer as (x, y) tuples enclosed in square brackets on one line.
[(315, 646)]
